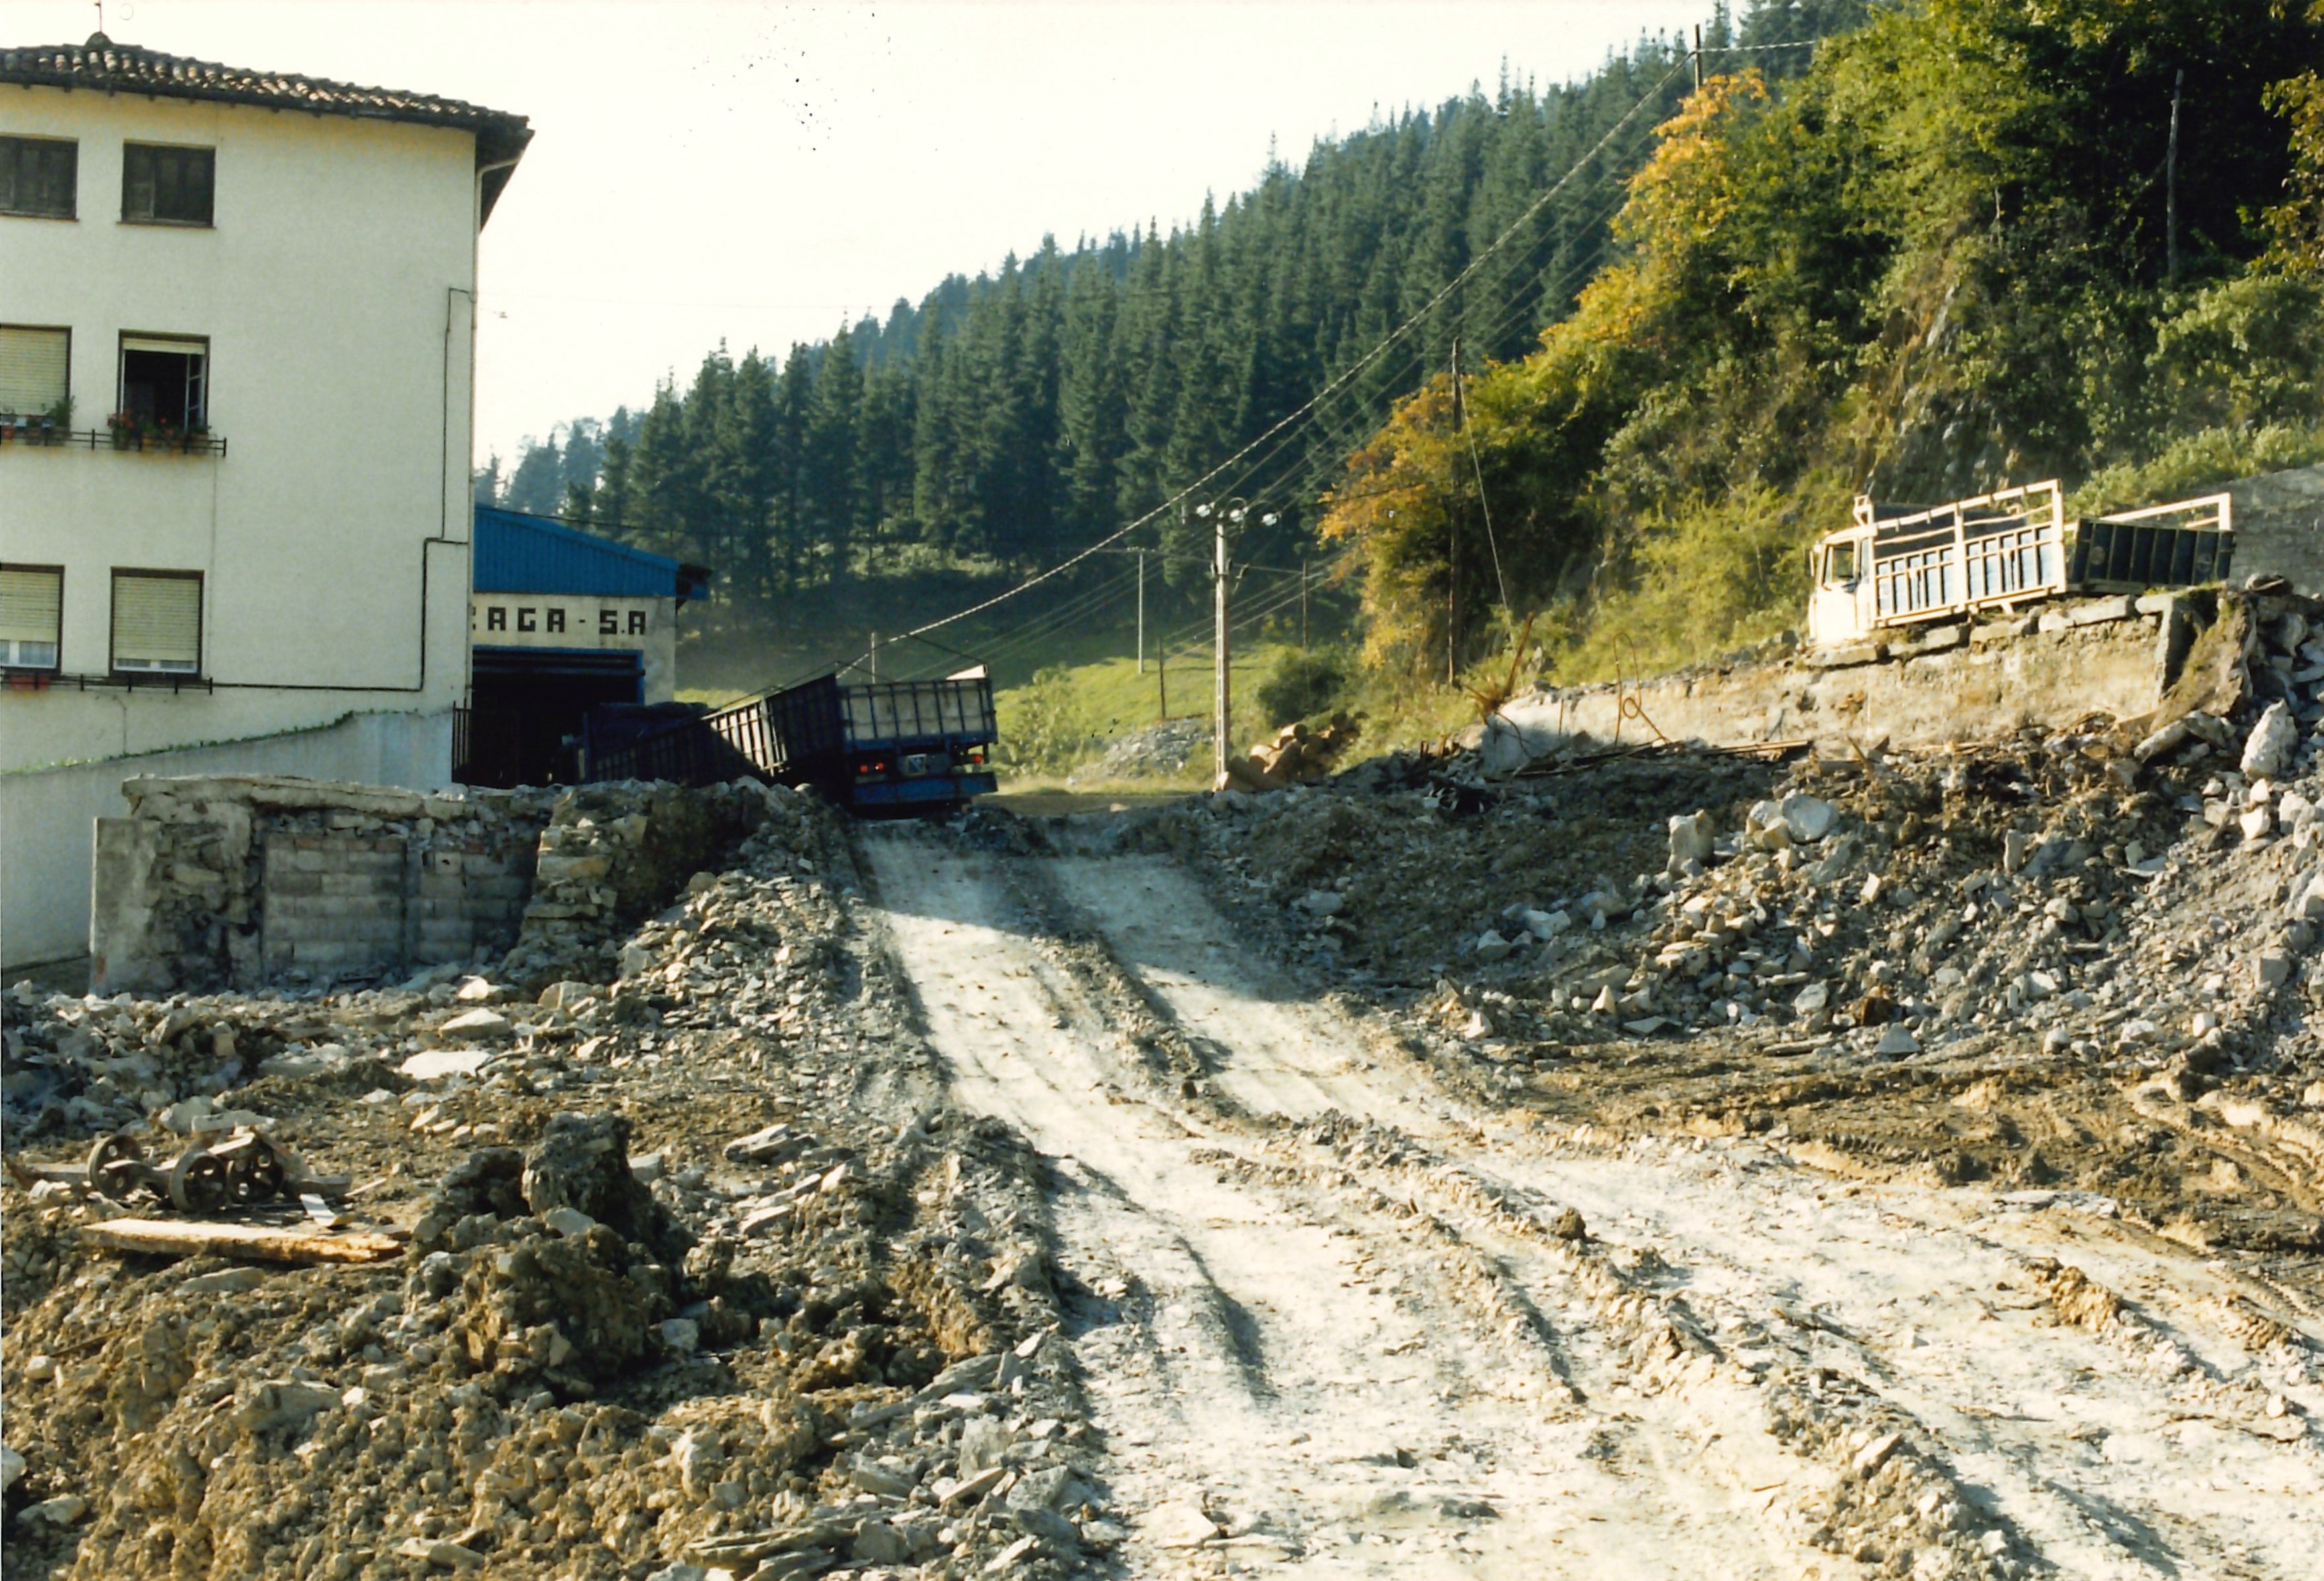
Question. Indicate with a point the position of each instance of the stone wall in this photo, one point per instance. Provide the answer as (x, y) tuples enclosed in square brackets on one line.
[(229, 881), (610, 855)]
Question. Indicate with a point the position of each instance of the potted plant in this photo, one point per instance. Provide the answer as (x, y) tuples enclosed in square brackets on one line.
[(127, 432)]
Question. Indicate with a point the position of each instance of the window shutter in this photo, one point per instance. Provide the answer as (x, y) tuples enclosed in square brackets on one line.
[(30, 605), (32, 368), (157, 620)]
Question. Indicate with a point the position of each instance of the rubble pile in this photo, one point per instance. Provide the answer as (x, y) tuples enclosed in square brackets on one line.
[(2089, 954), (74, 1068), (1157, 751), (610, 854), (700, 1275)]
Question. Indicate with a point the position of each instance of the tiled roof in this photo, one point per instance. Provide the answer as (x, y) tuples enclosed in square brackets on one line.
[(101, 65)]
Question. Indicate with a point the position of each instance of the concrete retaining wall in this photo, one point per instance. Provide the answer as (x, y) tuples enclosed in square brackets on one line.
[(2113, 656), (2279, 528), (48, 816)]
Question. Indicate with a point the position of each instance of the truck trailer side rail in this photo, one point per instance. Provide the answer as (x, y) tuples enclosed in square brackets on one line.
[(899, 744), (730, 743), (2179, 545), (1969, 555)]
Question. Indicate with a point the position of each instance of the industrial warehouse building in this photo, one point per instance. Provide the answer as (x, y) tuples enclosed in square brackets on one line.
[(237, 354), (561, 622)]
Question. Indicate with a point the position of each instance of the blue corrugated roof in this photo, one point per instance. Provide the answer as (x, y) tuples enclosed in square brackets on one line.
[(516, 553)]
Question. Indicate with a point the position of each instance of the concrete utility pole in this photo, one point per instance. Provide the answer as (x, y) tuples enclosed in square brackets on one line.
[(875, 658), (2171, 186), (1141, 611)]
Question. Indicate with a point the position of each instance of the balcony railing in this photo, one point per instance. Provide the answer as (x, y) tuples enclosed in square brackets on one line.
[(41, 436), (32, 680)]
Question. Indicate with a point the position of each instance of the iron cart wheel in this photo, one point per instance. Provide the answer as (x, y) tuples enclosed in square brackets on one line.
[(105, 1153), (198, 1181)]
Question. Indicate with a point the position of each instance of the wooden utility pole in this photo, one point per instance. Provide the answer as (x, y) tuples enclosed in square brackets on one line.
[(1303, 603), (1452, 551), (1141, 611), (1698, 57), (2171, 185), (1219, 698), (1162, 681)]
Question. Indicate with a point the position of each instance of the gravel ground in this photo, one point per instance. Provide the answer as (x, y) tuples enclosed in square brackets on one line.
[(1676, 1166), (702, 1269)]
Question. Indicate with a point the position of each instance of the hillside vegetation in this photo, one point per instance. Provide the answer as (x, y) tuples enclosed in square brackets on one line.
[(1941, 258), (1008, 418), (1919, 249)]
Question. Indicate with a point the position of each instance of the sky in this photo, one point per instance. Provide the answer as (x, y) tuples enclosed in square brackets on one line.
[(760, 173)]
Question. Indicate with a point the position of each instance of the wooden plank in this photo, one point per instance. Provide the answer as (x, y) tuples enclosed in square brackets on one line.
[(189, 1238)]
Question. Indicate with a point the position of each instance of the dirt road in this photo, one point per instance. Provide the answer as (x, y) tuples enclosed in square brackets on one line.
[(1335, 1319)]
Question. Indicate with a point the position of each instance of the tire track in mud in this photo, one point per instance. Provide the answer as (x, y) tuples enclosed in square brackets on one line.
[(1727, 1366), (1959, 1491), (1287, 1356)]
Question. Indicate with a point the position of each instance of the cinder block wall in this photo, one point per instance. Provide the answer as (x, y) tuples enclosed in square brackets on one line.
[(231, 880)]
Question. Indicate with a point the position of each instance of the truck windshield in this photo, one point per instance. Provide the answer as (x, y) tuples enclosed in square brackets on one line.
[(1839, 563)]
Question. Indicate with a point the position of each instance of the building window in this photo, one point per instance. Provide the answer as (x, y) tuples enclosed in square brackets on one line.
[(31, 616), (35, 367), (157, 621), (161, 185), (165, 381), (39, 176)]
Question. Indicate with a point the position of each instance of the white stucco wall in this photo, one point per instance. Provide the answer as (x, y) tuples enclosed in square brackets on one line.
[(47, 817), (335, 291)]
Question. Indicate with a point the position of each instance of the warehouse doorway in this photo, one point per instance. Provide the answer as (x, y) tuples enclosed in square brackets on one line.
[(526, 706)]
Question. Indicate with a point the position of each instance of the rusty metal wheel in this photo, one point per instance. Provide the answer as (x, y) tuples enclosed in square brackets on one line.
[(106, 1151), (255, 1171), (198, 1181)]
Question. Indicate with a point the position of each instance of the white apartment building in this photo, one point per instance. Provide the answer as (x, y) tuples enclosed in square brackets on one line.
[(236, 355)]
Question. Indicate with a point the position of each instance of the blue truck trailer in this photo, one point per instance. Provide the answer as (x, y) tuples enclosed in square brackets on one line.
[(888, 746), (875, 747)]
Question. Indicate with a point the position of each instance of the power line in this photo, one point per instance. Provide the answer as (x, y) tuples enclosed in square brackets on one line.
[(1346, 376), (1321, 451)]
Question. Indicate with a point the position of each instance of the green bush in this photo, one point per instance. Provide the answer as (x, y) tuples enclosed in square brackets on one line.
[(1303, 685), (1042, 730), (2195, 463)]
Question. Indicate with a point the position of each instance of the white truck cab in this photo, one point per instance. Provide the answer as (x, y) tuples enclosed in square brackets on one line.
[(1839, 609)]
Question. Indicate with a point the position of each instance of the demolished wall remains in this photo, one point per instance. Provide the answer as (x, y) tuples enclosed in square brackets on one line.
[(232, 881)]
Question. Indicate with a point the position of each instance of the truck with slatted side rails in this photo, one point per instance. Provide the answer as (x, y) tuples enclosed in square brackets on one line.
[(876, 748), (1897, 565), (887, 747)]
